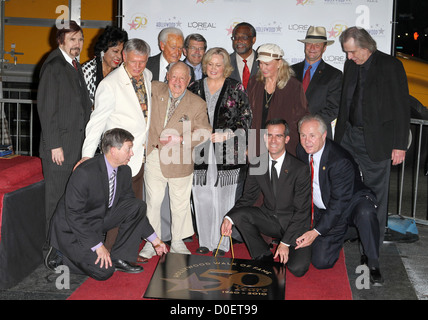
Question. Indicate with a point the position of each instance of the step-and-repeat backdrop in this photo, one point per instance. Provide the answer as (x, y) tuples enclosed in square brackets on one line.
[(282, 22)]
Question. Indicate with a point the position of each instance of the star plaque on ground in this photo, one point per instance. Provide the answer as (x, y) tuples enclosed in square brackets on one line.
[(180, 276)]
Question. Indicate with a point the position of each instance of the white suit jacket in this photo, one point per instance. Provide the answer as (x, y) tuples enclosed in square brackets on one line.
[(117, 106)]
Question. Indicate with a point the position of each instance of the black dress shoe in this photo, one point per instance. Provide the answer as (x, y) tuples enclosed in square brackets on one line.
[(219, 252), (125, 266), (265, 258), (376, 278), (53, 259), (202, 250)]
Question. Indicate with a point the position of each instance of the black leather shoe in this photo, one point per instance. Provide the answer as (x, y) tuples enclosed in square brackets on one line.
[(202, 250), (53, 259), (220, 253), (376, 278), (125, 266), (265, 257)]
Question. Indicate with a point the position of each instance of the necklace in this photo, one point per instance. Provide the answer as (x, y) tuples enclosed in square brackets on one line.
[(268, 99)]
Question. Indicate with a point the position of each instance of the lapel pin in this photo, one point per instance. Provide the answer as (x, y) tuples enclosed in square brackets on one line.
[(323, 167)]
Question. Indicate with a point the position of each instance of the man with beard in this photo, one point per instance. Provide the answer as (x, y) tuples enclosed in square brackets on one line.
[(64, 107), (243, 58)]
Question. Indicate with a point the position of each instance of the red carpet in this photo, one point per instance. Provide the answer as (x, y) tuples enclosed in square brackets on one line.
[(332, 284)]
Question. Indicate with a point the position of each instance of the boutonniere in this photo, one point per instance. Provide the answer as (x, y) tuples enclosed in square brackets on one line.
[(286, 171), (184, 118)]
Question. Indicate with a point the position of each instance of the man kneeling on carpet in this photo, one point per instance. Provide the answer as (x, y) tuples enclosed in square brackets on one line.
[(99, 197), (340, 199), (285, 212)]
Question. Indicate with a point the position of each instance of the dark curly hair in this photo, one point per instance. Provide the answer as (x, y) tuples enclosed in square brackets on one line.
[(111, 37)]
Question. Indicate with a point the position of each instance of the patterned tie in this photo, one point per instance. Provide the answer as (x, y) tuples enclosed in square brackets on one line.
[(74, 64), (111, 187), (311, 162), (172, 106), (274, 177), (245, 74), (307, 78)]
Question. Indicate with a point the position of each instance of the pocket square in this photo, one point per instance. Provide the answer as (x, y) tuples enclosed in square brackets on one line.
[(184, 118)]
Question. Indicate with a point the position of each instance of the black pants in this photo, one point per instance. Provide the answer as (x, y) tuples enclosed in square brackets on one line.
[(251, 222), (326, 248), (130, 217)]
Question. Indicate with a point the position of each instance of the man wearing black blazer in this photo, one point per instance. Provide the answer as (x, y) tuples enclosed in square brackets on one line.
[(340, 199), (374, 114), (324, 81), (64, 108), (284, 214), (98, 198), (171, 42), (243, 39)]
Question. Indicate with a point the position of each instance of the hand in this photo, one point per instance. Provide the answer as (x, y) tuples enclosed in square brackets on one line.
[(226, 228), (282, 252), (57, 156), (80, 161), (219, 137), (103, 257), (159, 246), (398, 156), (170, 139), (306, 239)]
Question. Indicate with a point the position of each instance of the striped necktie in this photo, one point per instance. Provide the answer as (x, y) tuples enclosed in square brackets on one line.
[(111, 187)]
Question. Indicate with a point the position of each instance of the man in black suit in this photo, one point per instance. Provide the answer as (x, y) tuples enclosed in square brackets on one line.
[(321, 81), (374, 114), (194, 49), (243, 59), (340, 199), (170, 41), (64, 107), (285, 212), (98, 198)]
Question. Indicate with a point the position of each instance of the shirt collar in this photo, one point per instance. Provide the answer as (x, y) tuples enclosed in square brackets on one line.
[(314, 65), (110, 168), (280, 160), (66, 57), (180, 97), (317, 155)]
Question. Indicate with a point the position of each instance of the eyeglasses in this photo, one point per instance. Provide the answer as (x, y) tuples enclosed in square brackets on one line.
[(245, 38)]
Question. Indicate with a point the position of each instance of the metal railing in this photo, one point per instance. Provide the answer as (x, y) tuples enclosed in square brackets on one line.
[(420, 128), (19, 116)]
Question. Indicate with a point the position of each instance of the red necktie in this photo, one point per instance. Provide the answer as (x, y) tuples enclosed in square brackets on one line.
[(74, 64), (245, 74), (312, 189), (307, 78)]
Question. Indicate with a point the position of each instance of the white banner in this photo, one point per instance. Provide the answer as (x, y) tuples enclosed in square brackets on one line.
[(282, 22)]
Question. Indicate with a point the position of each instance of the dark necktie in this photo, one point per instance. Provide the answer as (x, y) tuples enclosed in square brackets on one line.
[(74, 64), (307, 78), (167, 69), (111, 187), (274, 177), (245, 74), (311, 162), (356, 112)]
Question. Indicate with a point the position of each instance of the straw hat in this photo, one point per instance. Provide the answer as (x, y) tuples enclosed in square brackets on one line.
[(316, 35)]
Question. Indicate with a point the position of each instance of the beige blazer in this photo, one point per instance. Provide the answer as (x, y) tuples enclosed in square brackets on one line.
[(190, 120), (117, 106)]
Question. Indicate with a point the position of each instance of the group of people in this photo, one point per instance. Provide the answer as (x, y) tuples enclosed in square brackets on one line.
[(138, 147)]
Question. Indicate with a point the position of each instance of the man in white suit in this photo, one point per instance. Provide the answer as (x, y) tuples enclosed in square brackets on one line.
[(123, 100)]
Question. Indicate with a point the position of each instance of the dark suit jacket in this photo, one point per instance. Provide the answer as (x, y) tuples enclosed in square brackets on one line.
[(64, 108), (386, 105), (235, 73), (340, 183), (293, 203), (153, 64), (323, 92), (77, 224)]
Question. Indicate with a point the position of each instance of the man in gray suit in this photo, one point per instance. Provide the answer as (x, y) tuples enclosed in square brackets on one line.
[(64, 107), (243, 58)]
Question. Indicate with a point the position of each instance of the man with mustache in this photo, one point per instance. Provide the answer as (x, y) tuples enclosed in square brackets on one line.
[(64, 107), (243, 58)]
